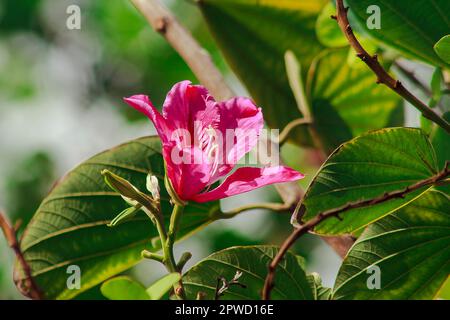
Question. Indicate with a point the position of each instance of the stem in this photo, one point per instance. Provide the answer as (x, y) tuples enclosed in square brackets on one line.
[(175, 219), (383, 76), (437, 179), (169, 258), (31, 289), (167, 242), (284, 135)]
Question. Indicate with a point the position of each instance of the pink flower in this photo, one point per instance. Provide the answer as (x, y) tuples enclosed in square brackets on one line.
[(193, 128)]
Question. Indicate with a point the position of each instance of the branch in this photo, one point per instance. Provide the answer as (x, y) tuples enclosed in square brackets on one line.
[(310, 224), (197, 58), (162, 20), (223, 285), (31, 289), (383, 76)]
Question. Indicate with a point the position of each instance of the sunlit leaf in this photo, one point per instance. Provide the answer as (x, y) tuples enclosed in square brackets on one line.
[(365, 168), (124, 288), (412, 27), (70, 226), (410, 248), (252, 261), (254, 36)]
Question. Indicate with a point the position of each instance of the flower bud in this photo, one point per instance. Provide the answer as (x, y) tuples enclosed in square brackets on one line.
[(153, 186)]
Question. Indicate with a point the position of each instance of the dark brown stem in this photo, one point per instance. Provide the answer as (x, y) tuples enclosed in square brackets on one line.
[(30, 289), (310, 224), (197, 58), (383, 76)]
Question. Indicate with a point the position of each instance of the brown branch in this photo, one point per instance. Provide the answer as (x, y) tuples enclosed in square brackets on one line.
[(383, 76), (30, 288), (161, 19), (197, 58), (310, 224)]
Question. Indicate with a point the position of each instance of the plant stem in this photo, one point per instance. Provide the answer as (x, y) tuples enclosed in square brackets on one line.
[(284, 135), (384, 77), (28, 287), (175, 219), (168, 242)]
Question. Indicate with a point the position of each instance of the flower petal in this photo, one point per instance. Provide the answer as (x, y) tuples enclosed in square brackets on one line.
[(143, 104), (243, 121), (185, 103), (249, 178), (187, 168)]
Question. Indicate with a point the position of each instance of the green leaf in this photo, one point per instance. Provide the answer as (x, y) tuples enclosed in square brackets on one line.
[(411, 248), (254, 36), (367, 167), (124, 288), (444, 291), (412, 27), (252, 261), (163, 285), (442, 48), (327, 29), (70, 226), (345, 99)]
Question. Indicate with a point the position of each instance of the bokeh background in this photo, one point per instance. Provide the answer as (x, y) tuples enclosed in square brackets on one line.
[(61, 102)]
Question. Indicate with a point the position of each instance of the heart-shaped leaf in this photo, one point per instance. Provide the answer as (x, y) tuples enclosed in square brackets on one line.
[(410, 248), (254, 36), (365, 168), (328, 31), (412, 27), (70, 226), (291, 281)]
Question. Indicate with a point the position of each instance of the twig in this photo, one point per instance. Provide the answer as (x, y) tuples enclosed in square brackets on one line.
[(377, 68), (31, 289), (310, 224), (220, 289), (197, 58), (284, 135), (162, 20)]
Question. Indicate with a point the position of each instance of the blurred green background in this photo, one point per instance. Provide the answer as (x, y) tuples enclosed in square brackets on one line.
[(60, 103)]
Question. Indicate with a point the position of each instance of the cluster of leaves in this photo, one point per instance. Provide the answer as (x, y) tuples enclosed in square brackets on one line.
[(407, 238)]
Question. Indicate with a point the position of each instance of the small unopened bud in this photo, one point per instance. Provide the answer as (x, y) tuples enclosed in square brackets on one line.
[(129, 192), (153, 186), (120, 185)]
